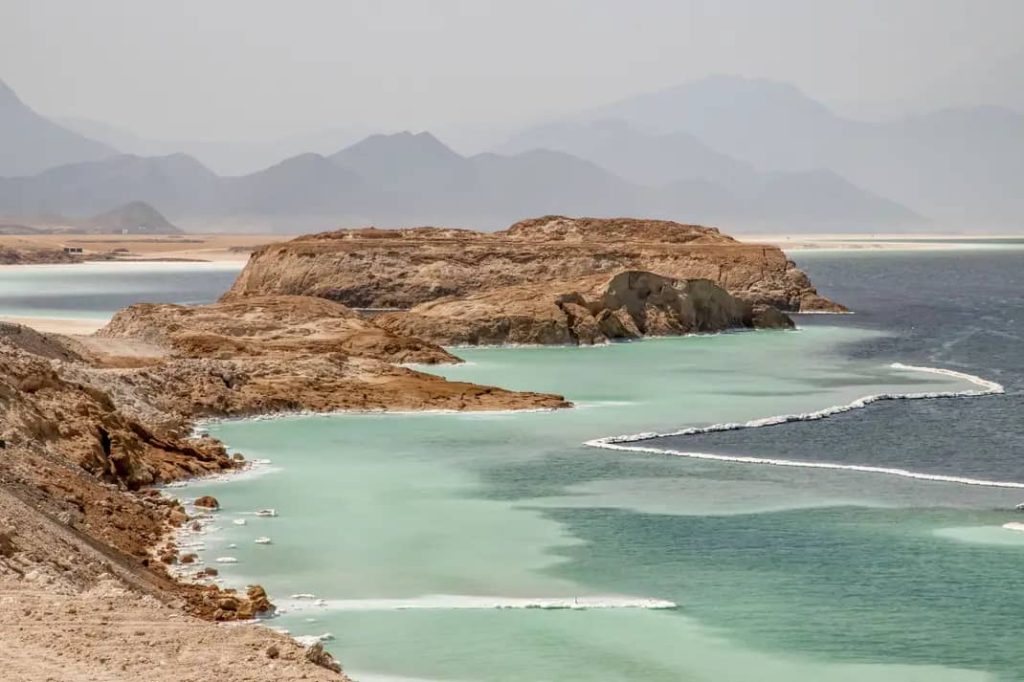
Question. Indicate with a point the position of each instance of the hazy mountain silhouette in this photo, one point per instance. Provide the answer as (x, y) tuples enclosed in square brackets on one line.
[(30, 143), (961, 166), (226, 157), (709, 186), (964, 167), (640, 157), (772, 126), (177, 184), (406, 179), (136, 217), (308, 183)]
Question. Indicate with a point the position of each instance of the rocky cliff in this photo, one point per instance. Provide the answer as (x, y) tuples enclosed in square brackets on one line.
[(87, 424), (268, 325), (588, 310), (372, 268)]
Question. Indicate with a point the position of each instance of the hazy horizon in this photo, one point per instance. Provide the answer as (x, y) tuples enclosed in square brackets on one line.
[(471, 71)]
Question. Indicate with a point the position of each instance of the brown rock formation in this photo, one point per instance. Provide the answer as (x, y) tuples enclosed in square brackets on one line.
[(266, 326), (86, 424), (372, 268), (588, 310), (40, 405)]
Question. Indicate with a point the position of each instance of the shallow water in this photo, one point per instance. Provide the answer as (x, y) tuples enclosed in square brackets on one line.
[(771, 568)]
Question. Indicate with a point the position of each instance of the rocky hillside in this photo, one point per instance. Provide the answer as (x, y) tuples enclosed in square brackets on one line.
[(87, 424), (371, 268)]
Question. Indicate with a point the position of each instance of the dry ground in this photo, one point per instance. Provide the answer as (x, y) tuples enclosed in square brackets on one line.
[(208, 247), (110, 634)]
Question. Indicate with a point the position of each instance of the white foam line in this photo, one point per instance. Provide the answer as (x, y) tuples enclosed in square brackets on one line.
[(450, 602), (202, 426), (986, 387)]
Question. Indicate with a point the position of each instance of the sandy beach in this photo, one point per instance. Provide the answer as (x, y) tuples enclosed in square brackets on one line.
[(57, 325), (203, 247), (895, 241)]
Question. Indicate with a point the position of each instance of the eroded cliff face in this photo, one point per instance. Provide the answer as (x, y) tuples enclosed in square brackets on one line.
[(589, 310), (41, 405), (264, 326), (371, 268)]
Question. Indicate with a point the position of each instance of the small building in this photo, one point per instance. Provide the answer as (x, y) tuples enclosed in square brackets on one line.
[(73, 249)]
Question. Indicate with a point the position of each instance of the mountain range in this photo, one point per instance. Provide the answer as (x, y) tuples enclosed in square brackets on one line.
[(960, 167), (734, 152)]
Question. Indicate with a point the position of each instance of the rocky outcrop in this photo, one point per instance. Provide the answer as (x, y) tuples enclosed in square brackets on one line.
[(595, 309), (41, 405), (268, 326), (276, 354), (372, 268), (175, 392)]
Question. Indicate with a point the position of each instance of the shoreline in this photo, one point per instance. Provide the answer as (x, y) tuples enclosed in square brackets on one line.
[(440, 601), (987, 388), (65, 326), (117, 248)]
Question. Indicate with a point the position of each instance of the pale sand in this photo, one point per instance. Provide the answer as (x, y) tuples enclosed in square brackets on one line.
[(236, 247), (57, 325), (111, 634), (875, 241), (206, 247)]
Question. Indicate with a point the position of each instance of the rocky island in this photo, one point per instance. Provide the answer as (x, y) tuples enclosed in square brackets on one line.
[(89, 424), (371, 268)]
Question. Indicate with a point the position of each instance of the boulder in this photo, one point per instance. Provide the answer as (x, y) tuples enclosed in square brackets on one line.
[(207, 502), (318, 656)]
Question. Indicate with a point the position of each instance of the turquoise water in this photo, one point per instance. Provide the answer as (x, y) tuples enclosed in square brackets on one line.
[(413, 528)]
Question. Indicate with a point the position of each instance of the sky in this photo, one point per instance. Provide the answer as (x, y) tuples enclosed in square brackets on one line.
[(255, 69)]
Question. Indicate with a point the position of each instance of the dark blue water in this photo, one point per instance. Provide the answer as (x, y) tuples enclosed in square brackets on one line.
[(958, 310), (853, 583)]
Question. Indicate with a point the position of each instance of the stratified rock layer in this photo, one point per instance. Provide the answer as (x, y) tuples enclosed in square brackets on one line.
[(372, 268), (268, 325), (595, 309)]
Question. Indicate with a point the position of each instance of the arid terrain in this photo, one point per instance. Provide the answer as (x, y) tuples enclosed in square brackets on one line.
[(89, 423), (48, 248), (402, 268)]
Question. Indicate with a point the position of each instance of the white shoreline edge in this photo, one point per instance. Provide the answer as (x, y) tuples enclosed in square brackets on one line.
[(986, 387)]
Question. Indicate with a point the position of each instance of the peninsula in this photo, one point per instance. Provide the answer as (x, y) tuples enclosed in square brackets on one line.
[(90, 424)]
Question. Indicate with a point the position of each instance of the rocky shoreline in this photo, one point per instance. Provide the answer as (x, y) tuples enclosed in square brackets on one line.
[(91, 423)]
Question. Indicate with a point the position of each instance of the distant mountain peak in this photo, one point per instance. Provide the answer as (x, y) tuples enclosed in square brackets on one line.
[(7, 94), (30, 143), (404, 142), (135, 217)]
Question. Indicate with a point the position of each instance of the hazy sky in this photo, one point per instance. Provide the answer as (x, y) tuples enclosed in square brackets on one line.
[(249, 69)]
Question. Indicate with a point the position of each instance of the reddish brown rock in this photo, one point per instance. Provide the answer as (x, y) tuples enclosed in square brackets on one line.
[(206, 502)]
